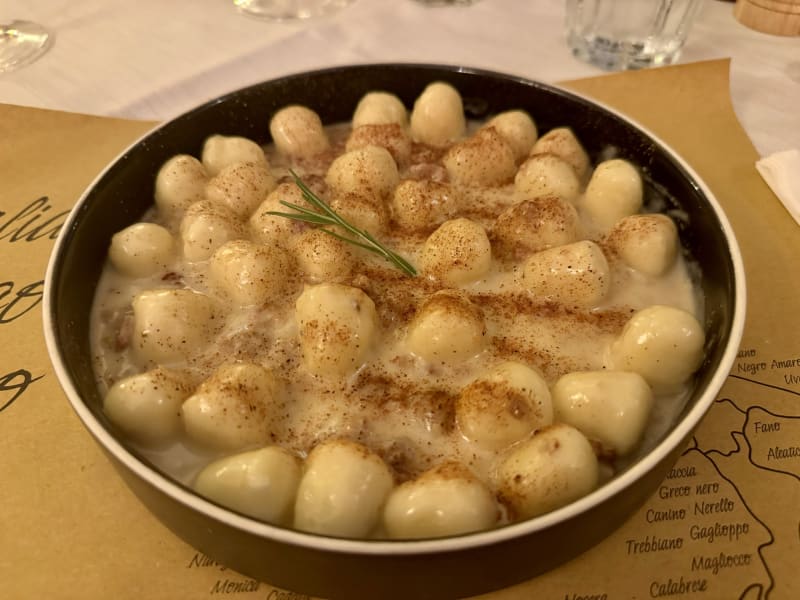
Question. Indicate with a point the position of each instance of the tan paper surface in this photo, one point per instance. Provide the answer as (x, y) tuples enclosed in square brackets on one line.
[(725, 524)]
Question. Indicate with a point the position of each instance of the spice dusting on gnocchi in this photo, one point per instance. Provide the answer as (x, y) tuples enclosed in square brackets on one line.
[(305, 381)]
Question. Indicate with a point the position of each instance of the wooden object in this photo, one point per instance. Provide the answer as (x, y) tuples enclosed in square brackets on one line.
[(778, 17)]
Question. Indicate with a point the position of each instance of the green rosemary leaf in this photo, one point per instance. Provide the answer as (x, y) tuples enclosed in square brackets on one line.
[(324, 215), (299, 217), (344, 238)]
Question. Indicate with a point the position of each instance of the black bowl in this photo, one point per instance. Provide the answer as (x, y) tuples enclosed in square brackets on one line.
[(333, 568)]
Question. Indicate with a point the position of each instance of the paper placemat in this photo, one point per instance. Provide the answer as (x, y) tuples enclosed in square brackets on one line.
[(724, 524)]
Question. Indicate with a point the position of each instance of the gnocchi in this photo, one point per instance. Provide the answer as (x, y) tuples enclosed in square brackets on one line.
[(535, 224), (337, 326), (369, 169), (457, 252), (141, 249), (300, 379), (362, 210), (610, 407), (438, 115), (647, 243), (380, 108), (147, 406), (423, 205), (170, 325), (518, 129), (297, 132), (562, 142), (548, 470), (613, 192), (484, 159), (268, 228), (448, 328), (663, 344), (390, 136), (447, 500), (205, 227), (575, 274), (241, 187), (546, 175), (247, 273), (504, 406), (231, 410), (181, 181), (221, 151), (342, 491), (259, 483), (323, 257)]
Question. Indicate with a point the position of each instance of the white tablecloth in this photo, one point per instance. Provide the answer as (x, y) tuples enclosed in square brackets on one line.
[(149, 59)]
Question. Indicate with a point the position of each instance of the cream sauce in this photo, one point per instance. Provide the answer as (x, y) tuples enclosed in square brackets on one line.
[(397, 404)]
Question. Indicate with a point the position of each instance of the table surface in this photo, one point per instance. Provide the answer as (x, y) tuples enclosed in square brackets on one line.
[(153, 60)]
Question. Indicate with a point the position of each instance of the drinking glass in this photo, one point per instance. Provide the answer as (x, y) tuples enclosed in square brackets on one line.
[(629, 34), (289, 10), (21, 43), (447, 2)]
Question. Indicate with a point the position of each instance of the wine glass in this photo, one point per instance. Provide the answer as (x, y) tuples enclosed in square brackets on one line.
[(289, 10), (447, 2), (21, 43)]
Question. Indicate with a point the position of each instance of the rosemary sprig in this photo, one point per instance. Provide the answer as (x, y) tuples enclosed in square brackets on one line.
[(324, 216)]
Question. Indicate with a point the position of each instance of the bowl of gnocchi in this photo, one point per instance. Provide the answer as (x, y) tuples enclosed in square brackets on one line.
[(394, 330)]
